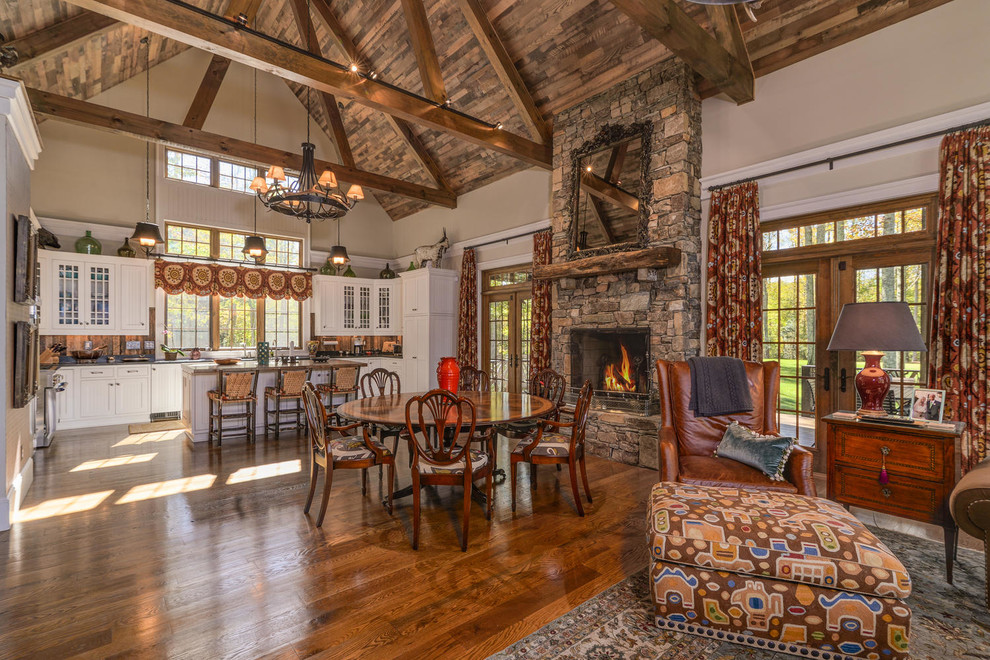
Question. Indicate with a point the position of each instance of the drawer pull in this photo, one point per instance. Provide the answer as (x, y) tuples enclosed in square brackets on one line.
[(886, 492), (884, 479)]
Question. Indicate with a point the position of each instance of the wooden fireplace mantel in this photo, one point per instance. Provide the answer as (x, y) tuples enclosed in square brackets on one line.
[(616, 262)]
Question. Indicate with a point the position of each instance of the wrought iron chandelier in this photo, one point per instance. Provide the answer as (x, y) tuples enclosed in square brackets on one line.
[(310, 197)]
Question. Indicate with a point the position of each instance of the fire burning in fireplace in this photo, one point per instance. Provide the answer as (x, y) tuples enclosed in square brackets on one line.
[(620, 377)]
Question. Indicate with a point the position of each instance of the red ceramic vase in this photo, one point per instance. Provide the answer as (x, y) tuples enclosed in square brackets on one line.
[(448, 374), (872, 383)]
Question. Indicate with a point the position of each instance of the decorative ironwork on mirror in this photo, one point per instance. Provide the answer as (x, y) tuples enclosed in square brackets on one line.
[(609, 191)]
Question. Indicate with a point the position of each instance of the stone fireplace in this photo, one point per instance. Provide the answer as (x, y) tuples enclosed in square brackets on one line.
[(614, 360), (657, 310)]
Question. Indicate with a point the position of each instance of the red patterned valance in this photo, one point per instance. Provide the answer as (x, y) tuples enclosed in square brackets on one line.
[(204, 279)]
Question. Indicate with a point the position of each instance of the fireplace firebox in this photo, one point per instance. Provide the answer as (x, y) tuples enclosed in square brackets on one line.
[(614, 360)]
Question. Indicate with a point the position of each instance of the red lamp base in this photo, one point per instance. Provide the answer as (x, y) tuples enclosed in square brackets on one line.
[(872, 383)]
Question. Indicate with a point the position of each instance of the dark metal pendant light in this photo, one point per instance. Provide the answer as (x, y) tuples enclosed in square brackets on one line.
[(147, 233), (254, 245), (338, 253)]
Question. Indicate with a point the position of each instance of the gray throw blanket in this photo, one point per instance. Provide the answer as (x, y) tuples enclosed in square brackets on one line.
[(719, 386)]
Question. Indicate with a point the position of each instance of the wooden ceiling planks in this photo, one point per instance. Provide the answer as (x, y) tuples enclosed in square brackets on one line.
[(563, 50)]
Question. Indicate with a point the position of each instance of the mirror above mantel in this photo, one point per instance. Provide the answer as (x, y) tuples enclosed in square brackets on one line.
[(607, 211)]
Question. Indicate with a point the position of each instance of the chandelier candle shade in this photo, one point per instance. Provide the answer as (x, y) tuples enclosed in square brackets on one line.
[(873, 328)]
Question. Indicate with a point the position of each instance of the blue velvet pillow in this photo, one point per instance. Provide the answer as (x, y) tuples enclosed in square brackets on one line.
[(766, 453)]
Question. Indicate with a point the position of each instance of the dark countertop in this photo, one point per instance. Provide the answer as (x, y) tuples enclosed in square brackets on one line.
[(250, 365)]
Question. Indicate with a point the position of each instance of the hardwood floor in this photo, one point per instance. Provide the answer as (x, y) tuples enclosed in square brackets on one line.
[(147, 546)]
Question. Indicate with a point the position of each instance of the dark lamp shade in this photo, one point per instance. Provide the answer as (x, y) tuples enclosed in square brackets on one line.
[(147, 234), (876, 326), (338, 255), (254, 246)]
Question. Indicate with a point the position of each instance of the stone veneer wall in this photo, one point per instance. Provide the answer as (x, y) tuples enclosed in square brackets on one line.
[(668, 301)]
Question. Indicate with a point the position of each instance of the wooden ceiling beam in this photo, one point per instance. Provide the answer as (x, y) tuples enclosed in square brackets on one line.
[(401, 127), (425, 50), (728, 32), (206, 94), (58, 36), (194, 28), (598, 187), (666, 22), (84, 113), (602, 220), (505, 68), (307, 33)]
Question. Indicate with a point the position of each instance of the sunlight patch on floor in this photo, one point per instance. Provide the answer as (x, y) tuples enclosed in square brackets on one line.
[(166, 488), (114, 461), (264, 471), (145, 438), (62, 506)]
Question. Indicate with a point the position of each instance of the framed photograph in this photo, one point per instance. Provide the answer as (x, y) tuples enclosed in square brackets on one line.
[(927, 405)]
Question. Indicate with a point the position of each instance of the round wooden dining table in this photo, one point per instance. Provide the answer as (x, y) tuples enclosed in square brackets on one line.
[(491, 408)]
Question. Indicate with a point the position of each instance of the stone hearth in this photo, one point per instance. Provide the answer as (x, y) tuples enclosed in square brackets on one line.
[(665, 302)]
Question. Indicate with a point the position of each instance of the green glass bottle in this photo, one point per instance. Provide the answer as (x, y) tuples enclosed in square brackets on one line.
[(387, 273), (327, 268), (89, 245), (412, 266), (126, 250), (349, 272)]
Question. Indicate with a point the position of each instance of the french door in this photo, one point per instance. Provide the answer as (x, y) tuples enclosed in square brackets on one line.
[(507, 307), (814, 265)]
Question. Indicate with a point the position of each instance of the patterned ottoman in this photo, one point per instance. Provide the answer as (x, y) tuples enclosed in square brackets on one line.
[(774, 570)]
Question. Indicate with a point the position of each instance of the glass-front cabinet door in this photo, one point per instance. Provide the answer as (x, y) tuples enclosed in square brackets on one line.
[(100, 280), (364, 307), (67, 307), (349, 309)]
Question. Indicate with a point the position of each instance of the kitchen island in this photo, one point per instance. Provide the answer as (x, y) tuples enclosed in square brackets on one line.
[(198, 378)]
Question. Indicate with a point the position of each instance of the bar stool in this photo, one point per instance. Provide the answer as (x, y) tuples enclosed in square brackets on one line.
[(290, 387), (236, 387), (345, 382)]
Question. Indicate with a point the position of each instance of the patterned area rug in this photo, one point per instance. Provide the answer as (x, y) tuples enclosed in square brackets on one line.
[(949, 621)]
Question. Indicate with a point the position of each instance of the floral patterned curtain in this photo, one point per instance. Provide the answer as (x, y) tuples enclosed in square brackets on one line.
[(957, 361), (467, 322), (539, 346), (735, 287), (204, 279)]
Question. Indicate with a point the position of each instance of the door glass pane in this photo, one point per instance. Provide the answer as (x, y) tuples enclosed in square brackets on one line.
[(907, 370), (99, 295), (789, 338), (498, 344), (525, 320)]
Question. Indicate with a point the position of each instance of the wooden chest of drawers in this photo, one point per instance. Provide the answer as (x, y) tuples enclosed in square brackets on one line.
[(921, 471)]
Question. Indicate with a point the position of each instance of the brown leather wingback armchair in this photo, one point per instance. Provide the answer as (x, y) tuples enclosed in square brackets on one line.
[(687, 443), (970, 508)]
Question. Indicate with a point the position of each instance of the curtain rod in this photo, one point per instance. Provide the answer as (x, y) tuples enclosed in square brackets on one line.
[(506, 239), (831, 160), (233, 262)]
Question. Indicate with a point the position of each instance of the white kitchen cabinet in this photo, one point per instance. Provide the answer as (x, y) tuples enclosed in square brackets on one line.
[(396, 365), (355, 306), (386, 299), (93, 294), (134, 294), (67, 400), (106, 394), (166, 388), (429, 297)]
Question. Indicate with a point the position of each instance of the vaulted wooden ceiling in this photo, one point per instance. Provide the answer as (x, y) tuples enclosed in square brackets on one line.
[(555, 52)]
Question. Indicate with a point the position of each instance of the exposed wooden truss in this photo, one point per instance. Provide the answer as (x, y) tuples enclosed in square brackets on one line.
[(58, 36), (400, 126), (300, 9), (598, 187), (83, 113), (490, 42), (193, 28), (206, 94), (666, 22), (425, 50), (728, 32), (601, 219)]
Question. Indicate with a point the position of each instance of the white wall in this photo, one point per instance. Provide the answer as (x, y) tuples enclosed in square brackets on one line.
[(928, 65)]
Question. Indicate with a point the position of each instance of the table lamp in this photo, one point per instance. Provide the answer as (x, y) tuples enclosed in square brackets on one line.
[(873, 328)]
